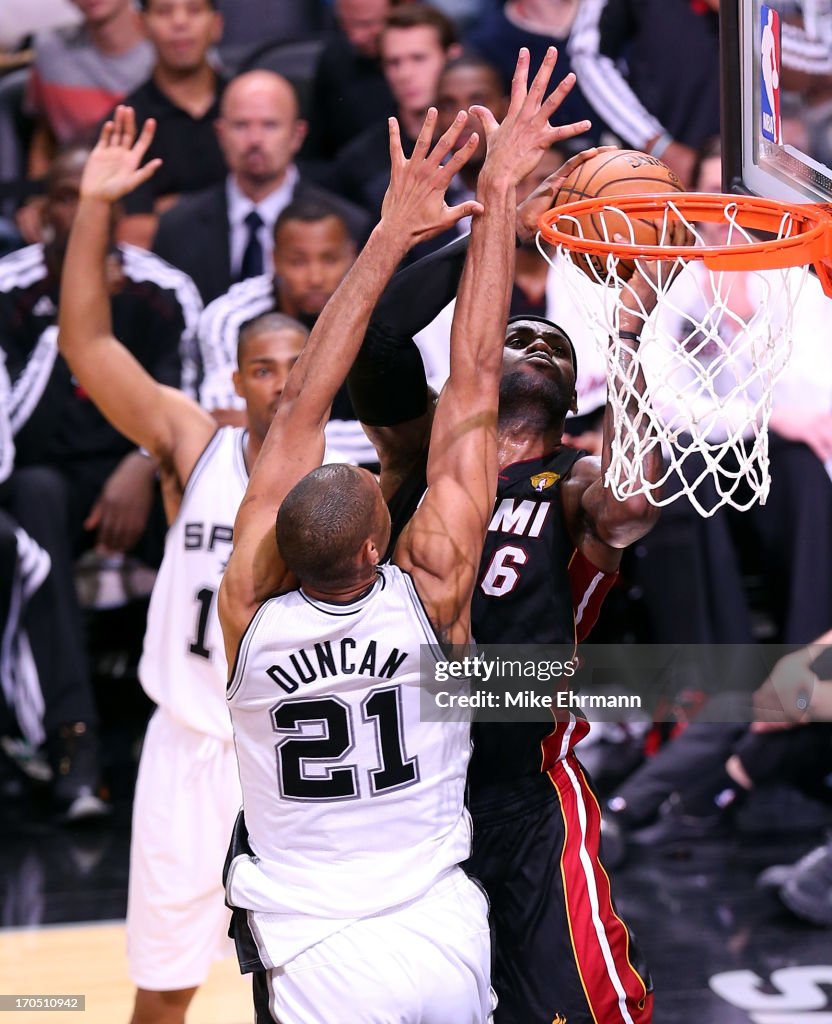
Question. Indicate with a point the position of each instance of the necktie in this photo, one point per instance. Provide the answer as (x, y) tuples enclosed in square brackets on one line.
[(252, 264)]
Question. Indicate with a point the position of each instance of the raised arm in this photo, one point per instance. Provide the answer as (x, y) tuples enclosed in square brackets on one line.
[(387, 383), (161, 419), (602, 525), (442, 544), (414, 209)]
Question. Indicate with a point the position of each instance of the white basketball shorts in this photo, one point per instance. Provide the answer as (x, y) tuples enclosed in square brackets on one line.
[(426, 963), (187, 797)]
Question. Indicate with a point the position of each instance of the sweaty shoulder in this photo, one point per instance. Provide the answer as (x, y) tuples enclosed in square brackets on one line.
[(584, 472)]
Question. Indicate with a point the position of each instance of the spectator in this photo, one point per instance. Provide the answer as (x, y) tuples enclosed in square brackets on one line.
[(226, 233), (791, 534), (349, 91), (698, 780), (183, 96), (800, 689), (806, 886), (416, 42), (531, 270), (312, 253), (466, 80), (24, 566), (535, 24), (76, 483), (253, 24), (661, 104), (79, 73), (21, 18)]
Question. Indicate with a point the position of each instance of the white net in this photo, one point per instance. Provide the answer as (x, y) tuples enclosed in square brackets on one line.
[(700, 382)]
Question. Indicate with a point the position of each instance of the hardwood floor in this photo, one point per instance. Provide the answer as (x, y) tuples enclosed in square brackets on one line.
[(90, 960)]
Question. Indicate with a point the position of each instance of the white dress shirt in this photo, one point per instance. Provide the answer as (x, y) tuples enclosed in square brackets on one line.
[(270, 208)]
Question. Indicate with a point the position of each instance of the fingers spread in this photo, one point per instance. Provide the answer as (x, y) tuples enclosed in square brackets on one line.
[(425, 134), (396, 154), (129, 131), (106, 134), (544, 73), (457, 161), (568, 131), (487, 119), (446, 143), (146, 172), (520, 79), (559, 94), (468, 209), (145, 138)]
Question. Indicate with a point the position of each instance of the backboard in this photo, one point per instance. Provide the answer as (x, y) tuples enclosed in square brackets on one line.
[(777, 98)]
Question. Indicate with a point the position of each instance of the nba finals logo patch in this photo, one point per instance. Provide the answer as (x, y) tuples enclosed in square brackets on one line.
[(540, 481), (770, 75)]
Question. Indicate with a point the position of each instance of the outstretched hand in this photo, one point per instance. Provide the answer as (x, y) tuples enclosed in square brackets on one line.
[(542, 199), (414, 203), (516, 146), (113, 168)]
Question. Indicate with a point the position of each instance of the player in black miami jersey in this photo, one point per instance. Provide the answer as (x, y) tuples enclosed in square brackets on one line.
[(552, 551), (347, 854)]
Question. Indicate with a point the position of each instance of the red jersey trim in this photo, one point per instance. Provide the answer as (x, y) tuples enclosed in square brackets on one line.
[(589, 586)]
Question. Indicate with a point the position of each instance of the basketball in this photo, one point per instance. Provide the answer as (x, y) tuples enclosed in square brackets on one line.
[(607, 175)]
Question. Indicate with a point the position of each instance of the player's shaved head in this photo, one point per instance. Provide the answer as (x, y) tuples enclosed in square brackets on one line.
[(325, 521), (268, 323)]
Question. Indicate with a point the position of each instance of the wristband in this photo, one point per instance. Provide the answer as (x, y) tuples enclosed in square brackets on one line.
[(660, 145), (629, 335)]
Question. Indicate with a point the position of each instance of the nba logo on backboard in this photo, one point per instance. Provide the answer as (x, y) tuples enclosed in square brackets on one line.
[(770, 74)]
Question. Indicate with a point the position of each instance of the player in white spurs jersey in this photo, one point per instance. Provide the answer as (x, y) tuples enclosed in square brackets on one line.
[(352, 906), (187, 793)]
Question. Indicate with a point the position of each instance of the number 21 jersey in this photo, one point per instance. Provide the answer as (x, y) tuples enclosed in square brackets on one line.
[(353, 798)]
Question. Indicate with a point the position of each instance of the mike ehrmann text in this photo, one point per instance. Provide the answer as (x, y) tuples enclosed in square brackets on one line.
[(530, 699)]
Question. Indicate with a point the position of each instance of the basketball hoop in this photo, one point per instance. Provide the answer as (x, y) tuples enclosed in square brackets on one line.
[(714, 346)]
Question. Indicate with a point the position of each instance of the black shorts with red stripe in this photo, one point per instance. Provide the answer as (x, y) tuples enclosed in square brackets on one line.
[(562, 955)]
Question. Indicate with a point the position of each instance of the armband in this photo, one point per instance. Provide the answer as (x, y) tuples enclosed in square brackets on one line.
[(660, 145)]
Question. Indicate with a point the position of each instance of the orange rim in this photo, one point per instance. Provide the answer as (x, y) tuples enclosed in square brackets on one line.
[(809, 243)]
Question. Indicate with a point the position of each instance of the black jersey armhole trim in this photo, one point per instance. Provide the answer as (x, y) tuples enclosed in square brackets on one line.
[(200, 464), (239, 657)]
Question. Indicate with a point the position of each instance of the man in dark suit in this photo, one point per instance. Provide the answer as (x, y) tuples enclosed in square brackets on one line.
[(225, 233)]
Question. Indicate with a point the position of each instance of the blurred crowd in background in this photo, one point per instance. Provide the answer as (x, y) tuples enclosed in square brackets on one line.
[(272, 128)]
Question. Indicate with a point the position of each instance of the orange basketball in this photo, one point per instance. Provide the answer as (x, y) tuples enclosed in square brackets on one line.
[(607, 175)]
